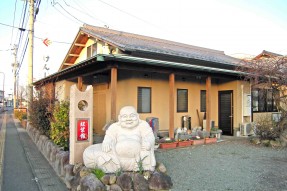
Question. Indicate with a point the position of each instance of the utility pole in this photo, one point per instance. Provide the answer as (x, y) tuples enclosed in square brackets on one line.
[(17, 93), (15, 66), (30, 55)]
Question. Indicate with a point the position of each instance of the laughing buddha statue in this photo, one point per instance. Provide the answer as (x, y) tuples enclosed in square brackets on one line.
[(128, 143)]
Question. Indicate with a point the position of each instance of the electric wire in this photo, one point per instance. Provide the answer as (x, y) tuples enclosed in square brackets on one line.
[(24, 22), (57, 3), (13, 27), (54, 41), (26, 42), (85, 12), (22, 56), (21, 20), (65, 15), (53, 3), (127, 13)]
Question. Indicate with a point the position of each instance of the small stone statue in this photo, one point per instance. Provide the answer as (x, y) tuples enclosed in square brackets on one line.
[(128, 145), (180, 131)]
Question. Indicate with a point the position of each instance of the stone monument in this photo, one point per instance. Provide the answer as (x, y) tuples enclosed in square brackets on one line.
[(81, 120), (128, 145)]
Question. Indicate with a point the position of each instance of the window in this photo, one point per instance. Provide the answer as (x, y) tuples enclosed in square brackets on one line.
[(92, 50), (144, 100), (202, 100), (182, 100), (263, 100)]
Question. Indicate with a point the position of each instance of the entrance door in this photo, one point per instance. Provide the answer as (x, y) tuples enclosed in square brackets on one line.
[(225, 112)]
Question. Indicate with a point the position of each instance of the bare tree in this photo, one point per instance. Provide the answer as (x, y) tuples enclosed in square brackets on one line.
[(269, 74)]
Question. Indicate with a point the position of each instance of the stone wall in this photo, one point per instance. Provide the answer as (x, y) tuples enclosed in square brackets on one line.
[(79, 178)]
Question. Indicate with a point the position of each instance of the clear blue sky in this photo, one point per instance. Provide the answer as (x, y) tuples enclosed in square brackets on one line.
[(234, 26)]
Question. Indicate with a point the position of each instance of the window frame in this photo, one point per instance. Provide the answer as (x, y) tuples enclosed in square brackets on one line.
[(202, 101), (185, 109), (263, 101), (91, 50), (140, 103)]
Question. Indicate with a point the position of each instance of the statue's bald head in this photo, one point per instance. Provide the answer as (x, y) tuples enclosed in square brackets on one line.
[(128, 109)]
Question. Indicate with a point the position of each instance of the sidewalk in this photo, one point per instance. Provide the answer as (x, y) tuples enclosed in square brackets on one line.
[(43, 173)]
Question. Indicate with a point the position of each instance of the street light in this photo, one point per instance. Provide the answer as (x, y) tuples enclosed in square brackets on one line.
[(3, 90)]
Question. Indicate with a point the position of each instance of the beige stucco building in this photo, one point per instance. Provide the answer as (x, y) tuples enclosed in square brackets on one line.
[(161, 78)]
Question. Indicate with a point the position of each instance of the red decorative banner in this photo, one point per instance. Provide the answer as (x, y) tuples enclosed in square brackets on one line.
[(47, 42), (82, 129)]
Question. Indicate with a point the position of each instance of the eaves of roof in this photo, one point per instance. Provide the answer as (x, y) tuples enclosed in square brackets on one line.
[(137, 60)]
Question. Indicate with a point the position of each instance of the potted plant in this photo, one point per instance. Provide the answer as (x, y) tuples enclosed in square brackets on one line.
[(210, 140), (215, 132), (196, 140), (167, 143), (184, 143)]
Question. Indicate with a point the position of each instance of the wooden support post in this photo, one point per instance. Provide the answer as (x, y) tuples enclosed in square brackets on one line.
[(80, 83), (171, 105), (53, 91), (208, 103), (114, 74)]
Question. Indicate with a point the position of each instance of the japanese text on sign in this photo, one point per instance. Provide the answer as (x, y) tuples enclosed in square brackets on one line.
[(82, 130)]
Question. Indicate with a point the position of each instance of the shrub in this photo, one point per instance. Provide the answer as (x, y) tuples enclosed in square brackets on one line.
[(98, 172), (265, 128), (60, 125), (24, 116), (20, 114), (39, 115)]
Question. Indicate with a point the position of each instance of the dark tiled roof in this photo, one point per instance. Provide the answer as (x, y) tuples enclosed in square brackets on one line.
[(139, 43)]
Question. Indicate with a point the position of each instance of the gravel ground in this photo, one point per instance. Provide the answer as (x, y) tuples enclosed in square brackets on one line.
[(234, 164)]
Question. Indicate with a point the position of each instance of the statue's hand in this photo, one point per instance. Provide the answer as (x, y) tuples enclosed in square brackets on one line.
[(146, 145), (106, 147)]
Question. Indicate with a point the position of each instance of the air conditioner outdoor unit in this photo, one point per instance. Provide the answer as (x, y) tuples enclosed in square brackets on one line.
[(245, 129)]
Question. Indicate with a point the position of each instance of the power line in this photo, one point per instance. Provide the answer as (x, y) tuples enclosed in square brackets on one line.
[(22, 56), (63, 14), (27, 40), (134, 16), (24, 19), (22, 29), (57, 3), (54, 41), (5, 50), (85, 12)]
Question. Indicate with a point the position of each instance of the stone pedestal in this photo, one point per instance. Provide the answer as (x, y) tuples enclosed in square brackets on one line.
[(81, 122)]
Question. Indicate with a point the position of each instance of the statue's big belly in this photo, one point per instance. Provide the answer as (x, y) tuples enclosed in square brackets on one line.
[(128, 148)]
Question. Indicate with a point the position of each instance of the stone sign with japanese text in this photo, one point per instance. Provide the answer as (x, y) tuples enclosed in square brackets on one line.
[(81, 120)]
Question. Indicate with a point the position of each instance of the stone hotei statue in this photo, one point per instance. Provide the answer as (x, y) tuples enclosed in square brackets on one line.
[(127, 144)]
